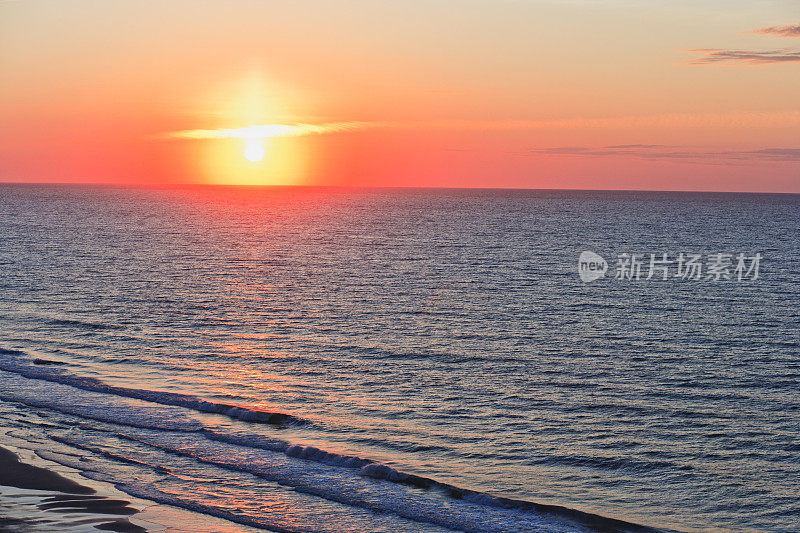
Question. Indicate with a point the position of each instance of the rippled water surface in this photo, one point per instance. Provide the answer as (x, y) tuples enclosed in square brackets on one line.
[(401, 360)]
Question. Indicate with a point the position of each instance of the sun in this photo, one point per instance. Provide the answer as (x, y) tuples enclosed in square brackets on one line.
[(253, 158), (254, 150)]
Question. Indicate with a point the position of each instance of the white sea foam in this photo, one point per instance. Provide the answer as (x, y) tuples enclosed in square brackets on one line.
[(348, 480)]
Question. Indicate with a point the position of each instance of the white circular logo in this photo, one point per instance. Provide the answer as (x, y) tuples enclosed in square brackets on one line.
[(591, 266)]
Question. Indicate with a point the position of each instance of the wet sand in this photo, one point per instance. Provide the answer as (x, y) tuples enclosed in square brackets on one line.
[(62, 496)]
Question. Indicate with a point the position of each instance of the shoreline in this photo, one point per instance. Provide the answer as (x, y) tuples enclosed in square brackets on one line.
[(39, 496), (59, 495)]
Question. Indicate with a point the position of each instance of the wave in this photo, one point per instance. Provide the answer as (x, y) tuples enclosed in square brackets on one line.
[(38, 361), (82, 324), (170, 430), (143, 491), (468, 510), (60, 375), (372, 469), (92, 406)]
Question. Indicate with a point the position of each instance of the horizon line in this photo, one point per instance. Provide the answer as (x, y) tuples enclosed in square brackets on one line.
[(131, 185)]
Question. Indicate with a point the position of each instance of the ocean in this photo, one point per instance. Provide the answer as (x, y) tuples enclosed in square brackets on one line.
[(370, 360)]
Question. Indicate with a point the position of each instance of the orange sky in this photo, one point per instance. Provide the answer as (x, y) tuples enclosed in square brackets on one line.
[(593, 94)]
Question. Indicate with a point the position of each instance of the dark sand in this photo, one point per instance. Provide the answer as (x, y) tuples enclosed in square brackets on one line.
[(68, 497)]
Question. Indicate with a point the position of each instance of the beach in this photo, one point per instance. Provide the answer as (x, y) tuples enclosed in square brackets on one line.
[(37, 496), (55, 493)]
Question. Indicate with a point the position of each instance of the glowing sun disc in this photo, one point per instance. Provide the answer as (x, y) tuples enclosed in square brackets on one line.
[(254, 151)]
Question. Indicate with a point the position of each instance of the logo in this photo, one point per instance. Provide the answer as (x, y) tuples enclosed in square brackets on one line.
[(591, 266)]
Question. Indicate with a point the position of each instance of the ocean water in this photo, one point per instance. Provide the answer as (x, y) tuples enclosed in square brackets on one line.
[(313, 359)]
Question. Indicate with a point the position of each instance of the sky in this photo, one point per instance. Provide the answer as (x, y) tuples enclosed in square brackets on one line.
[(571, 94)]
